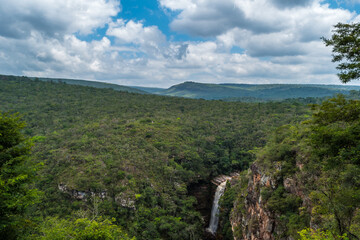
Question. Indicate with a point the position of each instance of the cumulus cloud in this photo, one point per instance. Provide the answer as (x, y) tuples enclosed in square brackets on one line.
[(279, 41), (291, 4), (53, 18), (302, 26), (211, 18), (150, 39)]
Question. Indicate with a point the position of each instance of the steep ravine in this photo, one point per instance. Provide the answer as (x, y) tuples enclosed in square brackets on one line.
[(205, 193)]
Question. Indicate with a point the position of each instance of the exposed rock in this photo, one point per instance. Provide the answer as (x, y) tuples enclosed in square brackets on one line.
[(220, 179), (126, 200), (80, 195), (250, 219)]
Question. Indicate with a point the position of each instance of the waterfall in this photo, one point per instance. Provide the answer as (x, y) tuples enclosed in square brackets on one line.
[(214, 220)]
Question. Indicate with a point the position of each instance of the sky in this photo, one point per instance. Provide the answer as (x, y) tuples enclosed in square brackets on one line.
[(160, 43)]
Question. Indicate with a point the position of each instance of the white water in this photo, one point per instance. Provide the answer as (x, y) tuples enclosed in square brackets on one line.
[(214, 220)]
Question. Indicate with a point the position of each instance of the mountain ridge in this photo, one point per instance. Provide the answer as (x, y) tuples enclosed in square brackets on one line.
[(223, 91)]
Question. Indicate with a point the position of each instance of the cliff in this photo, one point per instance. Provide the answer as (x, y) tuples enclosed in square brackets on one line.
[(304, 183), (254, 216)]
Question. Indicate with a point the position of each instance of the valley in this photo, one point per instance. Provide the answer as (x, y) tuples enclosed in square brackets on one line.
[(149, 162)]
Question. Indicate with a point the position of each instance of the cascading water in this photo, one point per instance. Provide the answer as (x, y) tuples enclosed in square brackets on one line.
[(214, 220)]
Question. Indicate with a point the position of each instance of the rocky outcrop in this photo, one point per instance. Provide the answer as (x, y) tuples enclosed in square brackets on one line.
[(80, 195), (125, 199), (222, 178), (256, 222), (251, 219)]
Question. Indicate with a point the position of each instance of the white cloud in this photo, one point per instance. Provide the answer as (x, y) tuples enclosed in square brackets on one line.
[(53, 17), (280, 41), (177, 5), (135, 32)]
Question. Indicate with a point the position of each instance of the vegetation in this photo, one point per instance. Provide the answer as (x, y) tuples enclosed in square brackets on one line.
[(226, 204), (119, 165), (133, 157), (80, 229), (92, 84), (318, 159), (16, 176), (307, 93), (345, 43), (311, 234)]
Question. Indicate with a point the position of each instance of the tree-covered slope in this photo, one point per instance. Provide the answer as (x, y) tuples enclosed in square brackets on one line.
[(251, 91), (305, 182), (94, 84), (133, 157)]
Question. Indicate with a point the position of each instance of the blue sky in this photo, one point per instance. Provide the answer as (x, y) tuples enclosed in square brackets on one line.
[(160, 43)]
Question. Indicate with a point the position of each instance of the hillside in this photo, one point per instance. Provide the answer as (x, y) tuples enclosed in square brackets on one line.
[(305, 182), (226, 91), (94, 84), (140, 159), (256, 92)]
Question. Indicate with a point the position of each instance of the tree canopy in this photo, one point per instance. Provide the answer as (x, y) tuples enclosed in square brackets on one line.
[(16, 175), (346, 50)]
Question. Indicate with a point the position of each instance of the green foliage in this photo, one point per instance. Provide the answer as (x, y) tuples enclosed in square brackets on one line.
[(92, 84), (17, 174), (316, 160), (345, 47), (226, 204), (286, 207), (53, 228), (282, 202), (311, 234), (335, 140), (137, 153)]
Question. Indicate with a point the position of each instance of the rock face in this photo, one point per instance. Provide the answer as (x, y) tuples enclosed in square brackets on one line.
[(80, 195), (125, 199), (222, 178), (256, 222), (251, 219)]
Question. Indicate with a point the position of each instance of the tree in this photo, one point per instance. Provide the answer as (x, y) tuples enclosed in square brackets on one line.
[(311, 234), (16, 175), (54, 228), (346, 50)]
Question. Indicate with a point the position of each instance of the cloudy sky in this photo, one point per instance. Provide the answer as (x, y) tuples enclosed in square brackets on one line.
[(165, 42)]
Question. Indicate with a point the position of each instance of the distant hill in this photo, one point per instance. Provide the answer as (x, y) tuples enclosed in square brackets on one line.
[(225, 91), (92, 84), (254, 91), (152, 90)]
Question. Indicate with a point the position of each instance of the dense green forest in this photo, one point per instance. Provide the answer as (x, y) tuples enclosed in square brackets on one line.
[(87, 160), (119, 161), (309, 176), (94, 84)]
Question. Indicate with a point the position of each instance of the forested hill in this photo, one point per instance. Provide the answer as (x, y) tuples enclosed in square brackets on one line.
[(227, 92), (91, 84), (132, 157), (253, 91)]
